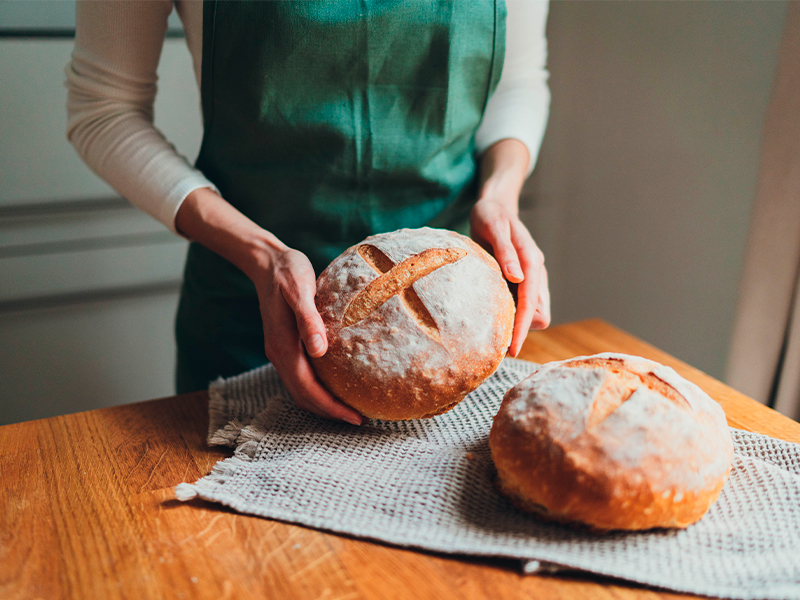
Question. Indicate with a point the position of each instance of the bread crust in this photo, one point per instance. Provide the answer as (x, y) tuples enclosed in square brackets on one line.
[(416, 319), (613, 442)]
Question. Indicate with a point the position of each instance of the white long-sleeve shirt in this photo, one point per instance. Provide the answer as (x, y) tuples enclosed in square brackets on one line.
[(112, 85)]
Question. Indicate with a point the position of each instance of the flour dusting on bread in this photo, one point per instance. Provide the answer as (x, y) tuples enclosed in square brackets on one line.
[(612, 441), (418, 316)]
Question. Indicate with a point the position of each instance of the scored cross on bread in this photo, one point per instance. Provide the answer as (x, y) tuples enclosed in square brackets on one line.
[(625, 377), (396, 279)]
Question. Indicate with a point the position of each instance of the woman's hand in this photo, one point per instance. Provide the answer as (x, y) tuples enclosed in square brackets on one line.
[(495, 224), (285, 284)]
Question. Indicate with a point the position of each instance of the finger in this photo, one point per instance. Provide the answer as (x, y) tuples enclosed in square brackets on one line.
[(541, 318), (526, 307), (284, 349), (530, 257), (500, 237), (309, 394), (298, 294), (532, 263)]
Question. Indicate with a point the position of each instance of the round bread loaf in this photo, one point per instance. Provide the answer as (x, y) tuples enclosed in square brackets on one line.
[(613, 442), (416, 319)]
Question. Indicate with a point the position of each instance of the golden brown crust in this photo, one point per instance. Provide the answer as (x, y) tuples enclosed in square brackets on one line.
[(416, 319), (612, 442)]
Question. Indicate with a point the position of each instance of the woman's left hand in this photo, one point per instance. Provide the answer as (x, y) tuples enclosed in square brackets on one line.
[(495, 225)]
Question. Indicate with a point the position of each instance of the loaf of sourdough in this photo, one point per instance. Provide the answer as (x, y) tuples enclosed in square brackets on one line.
[(613, 442), (416, 319)]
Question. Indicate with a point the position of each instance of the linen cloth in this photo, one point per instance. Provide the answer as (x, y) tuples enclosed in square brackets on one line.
[(429, 484)]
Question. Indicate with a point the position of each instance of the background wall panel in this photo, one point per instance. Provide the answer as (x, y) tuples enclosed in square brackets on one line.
[(88, 284), (643, 190), (79, 356)]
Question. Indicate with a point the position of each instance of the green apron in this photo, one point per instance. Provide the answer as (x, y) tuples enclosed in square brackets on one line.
[(326, 122)]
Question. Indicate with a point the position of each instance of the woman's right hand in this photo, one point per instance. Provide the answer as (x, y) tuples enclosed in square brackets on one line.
[(286, 286)]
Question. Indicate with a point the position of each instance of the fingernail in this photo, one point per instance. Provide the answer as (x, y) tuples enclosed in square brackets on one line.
[(315, 344), (514, 270), (352, 420)]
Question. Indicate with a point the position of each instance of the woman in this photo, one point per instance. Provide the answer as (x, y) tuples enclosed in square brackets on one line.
[(324, 122)]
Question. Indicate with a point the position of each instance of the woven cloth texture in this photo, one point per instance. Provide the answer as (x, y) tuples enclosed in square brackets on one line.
[(428, 484)]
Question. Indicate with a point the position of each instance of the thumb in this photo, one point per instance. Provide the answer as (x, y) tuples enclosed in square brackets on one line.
[(309, 322)]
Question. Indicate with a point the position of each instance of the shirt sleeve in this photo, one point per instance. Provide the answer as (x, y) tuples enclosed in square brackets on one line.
[(111, 82), (520, 105)]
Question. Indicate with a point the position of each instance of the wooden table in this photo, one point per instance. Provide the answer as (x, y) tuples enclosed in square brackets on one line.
[(87, 511)]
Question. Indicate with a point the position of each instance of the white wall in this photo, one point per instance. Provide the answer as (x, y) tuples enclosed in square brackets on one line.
[(642, 194)]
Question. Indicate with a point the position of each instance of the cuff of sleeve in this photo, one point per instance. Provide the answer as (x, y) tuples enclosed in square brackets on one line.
[(531, 135), (177, 194)]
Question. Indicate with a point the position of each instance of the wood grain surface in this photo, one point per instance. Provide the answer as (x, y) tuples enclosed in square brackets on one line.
[(87, 511)]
